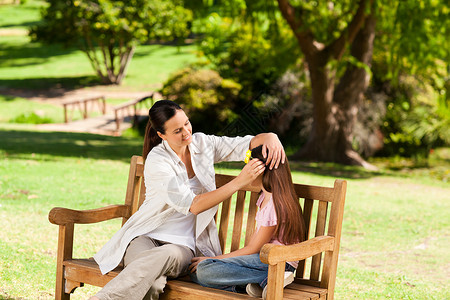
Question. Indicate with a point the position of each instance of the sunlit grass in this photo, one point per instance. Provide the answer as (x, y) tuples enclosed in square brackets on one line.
[(40, 66)]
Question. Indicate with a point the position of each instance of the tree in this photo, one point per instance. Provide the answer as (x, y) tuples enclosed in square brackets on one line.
[(109, 30), (335, 104), (337, 40)]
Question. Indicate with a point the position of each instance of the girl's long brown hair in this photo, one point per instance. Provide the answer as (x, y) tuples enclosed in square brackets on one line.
[(290, 223)]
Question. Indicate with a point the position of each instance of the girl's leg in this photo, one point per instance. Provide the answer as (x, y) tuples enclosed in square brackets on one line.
[(231, 274), (146, 265)]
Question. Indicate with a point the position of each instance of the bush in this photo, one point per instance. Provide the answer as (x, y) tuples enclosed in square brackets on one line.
[(207, 98), (32, 118), (417, 119)]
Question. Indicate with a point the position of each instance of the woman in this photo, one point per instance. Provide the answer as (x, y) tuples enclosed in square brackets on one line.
[(279, 221), (176, 220)]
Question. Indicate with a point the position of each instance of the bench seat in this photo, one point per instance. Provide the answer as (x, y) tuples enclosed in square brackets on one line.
[(87, 270)]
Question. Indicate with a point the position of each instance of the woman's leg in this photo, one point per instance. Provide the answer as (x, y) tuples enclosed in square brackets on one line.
[(146, 264), (231, 274)]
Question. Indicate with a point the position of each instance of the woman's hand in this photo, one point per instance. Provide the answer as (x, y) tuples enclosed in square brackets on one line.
[(250, 172), (273, 151), (195, 261)]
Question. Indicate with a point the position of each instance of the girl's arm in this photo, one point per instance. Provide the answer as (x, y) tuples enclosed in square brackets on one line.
[(258, 239), (205, 201)]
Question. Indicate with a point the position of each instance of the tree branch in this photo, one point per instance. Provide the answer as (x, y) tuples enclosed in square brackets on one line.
[(89, 48), (124, 62), (304, 36), (347, 36), (105, 62)]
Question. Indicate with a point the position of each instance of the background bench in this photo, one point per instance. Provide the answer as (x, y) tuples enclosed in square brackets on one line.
[(315, 275)]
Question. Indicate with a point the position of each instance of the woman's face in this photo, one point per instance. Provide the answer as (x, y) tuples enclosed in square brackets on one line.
[(178, 130)]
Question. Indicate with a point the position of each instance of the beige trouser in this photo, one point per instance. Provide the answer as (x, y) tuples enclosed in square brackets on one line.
[(148, 263)]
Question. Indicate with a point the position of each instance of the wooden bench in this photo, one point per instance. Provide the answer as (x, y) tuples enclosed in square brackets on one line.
[(315, 276)]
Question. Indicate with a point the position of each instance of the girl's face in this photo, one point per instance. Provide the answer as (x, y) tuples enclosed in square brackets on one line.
[(178, 130)]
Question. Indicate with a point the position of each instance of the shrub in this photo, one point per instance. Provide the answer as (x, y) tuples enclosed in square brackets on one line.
[(417, 119), (32, 118), (207, 98)]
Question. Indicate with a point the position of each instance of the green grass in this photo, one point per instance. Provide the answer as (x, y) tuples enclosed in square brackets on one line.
[(395, 233), (38, 66), (14, 107), (20, 16)]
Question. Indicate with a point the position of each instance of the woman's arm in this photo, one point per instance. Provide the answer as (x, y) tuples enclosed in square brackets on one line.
[(205, 201), (272, 148), (258, 239)]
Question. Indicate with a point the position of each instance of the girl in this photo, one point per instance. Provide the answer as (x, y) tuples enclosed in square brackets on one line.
[(279, 221), (176, 220)]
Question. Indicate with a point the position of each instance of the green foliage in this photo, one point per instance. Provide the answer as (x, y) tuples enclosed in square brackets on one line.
[(253, 54), (417, 120), (206, 97), (413, 37), (113, 27), (410, 64), (325, 19)]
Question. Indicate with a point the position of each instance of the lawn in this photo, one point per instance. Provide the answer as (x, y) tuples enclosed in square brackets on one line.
[(395, 234), (38, 66)]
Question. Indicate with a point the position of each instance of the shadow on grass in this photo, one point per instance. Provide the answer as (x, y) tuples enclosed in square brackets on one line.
[(43, 84), (152, 48), (21, 52), (23, 24), (21, 143)]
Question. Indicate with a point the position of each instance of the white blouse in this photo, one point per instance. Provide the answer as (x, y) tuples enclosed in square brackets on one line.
[(180, 229), (168, 191)]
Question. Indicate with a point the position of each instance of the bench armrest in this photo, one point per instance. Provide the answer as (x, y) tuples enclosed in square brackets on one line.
[(63, 216), (272, 254)]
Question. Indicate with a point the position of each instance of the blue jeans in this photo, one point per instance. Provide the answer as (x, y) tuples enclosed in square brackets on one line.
[(234, 273)]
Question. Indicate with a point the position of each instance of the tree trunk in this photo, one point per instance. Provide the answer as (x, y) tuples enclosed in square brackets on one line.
[(335, 108)]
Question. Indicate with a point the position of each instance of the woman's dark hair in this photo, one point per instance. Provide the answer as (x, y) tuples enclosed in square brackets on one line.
[(290, 223), (158, 115)]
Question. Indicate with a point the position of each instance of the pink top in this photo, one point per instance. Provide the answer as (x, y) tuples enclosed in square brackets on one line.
[(267, 216)]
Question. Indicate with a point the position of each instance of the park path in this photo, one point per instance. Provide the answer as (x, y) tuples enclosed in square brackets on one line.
[(103, 124)]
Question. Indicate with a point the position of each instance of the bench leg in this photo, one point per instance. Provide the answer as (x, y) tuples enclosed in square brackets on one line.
[(275, 281), (60, 293), (65, 244)]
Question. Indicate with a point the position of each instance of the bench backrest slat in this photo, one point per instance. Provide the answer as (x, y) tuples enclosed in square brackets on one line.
[(238, 220), (320, 230), (328, 201), (251, 222), (307, 213), (224, 220)]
